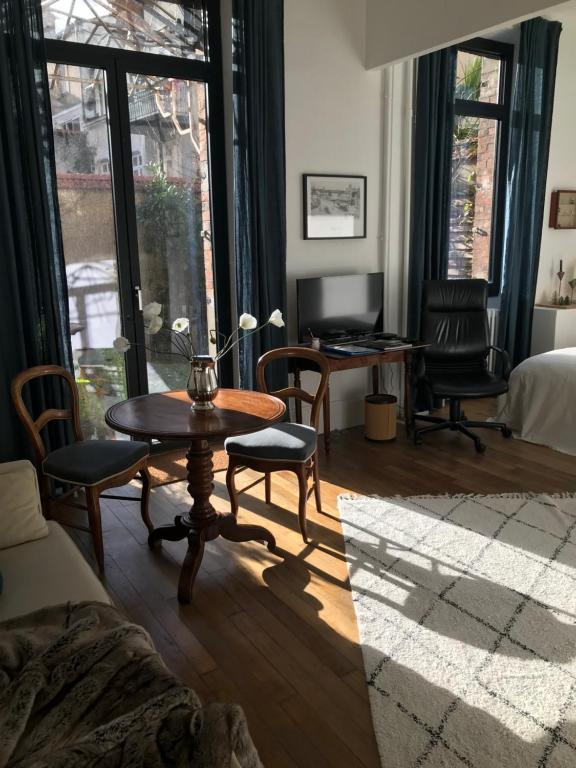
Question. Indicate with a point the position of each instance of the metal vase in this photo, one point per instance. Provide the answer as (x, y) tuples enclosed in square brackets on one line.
[(202, 386)]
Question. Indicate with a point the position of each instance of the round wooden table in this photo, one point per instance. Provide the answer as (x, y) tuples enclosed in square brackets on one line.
[(168, 416)]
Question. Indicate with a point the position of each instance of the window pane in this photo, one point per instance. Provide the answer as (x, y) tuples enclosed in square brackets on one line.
[(168, 120), (82, 150), (148, 26), (478, 78), (472, 196)]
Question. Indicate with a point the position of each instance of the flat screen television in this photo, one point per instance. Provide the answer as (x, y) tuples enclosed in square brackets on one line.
[(340, 307)]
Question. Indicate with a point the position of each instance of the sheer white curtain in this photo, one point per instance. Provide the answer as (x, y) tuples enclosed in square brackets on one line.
[(397, 122)]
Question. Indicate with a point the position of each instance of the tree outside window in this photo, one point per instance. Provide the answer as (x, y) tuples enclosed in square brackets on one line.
[(479, 146)]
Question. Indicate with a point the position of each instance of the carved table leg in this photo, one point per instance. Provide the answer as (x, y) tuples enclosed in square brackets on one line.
[(175, 532), (191, 565), (200, 524), (231, 530), (203, 523)]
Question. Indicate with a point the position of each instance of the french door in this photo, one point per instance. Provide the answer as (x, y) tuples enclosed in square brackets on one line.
[(139, 149)]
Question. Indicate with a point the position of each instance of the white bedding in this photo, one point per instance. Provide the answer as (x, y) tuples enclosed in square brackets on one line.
[(541, 404)]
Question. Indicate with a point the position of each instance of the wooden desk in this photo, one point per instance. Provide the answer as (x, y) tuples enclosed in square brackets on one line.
[(349, 362), (168, 415)]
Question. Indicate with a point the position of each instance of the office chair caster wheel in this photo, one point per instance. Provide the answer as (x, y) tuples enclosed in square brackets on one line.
[(480, 447), (506, 432), (417, 440)]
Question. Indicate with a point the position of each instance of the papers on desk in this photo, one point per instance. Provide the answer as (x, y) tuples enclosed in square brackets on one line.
[(374, 349), (348, 349)]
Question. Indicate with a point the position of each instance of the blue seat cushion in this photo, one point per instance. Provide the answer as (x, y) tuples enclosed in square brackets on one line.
[(92, 461), (282, 442)]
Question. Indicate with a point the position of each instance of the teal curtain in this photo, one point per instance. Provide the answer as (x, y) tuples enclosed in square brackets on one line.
[(431, 174), (259, 177), (531, 125), (33, 300)]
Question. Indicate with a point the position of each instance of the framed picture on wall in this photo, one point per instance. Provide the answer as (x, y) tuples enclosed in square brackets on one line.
[(334, 207)]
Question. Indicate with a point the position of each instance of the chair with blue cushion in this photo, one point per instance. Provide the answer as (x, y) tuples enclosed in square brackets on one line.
[(285, 446), (96, 465)]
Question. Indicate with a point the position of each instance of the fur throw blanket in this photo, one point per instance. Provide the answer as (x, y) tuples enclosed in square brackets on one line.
[(82, 687)]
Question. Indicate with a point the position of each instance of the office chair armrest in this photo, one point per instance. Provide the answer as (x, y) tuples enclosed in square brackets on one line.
[(506, 366)]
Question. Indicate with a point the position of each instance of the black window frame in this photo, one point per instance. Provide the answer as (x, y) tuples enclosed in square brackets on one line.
[(502, 112), (116, 63)]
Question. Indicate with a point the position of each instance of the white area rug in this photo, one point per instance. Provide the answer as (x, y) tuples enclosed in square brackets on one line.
[(466, 607)]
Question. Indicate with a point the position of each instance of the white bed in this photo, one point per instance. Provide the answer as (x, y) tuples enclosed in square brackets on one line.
[(541, 404)]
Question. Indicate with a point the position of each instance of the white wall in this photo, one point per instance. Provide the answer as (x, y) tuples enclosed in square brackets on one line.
[(399, 29), (557, 244), (341, 118), (333, 125)]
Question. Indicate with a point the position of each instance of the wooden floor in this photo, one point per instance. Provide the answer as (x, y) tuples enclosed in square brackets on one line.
[(277, 632)]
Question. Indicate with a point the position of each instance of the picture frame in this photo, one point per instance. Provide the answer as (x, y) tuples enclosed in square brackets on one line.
[(563, 209), (334, 206)]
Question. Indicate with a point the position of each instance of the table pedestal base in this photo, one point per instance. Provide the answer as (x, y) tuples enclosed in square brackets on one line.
[(203, 523)]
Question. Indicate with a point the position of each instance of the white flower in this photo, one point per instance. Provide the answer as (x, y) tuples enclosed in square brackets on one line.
[(151, 310), (181, 324), (276, 319), (153, 325), (247, 322), (121, 344)]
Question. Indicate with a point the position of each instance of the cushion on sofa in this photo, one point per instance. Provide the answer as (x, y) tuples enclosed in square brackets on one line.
[(21, 516), (46, 572)]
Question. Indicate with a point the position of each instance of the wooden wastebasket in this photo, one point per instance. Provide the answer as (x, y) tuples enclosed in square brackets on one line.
[(380, 417)]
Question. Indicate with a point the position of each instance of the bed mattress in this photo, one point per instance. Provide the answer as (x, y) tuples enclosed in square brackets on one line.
[(540, 405)]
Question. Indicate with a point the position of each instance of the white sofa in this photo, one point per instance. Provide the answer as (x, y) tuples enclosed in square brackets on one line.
[(39, 562)]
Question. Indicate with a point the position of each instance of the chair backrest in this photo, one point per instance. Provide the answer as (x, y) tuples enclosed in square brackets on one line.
[(455, 321), (33, 426), (285, 353)]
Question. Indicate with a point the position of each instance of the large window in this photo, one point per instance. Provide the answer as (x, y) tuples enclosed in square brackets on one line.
[(136, 98), (147, 26), (479, 152)]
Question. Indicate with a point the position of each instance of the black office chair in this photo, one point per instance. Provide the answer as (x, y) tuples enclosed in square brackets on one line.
[(455, 367)]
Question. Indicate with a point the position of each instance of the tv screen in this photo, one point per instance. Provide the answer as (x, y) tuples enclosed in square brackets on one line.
[(339, 307)]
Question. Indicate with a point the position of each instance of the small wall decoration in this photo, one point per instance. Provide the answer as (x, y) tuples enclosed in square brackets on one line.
[(334, 207), (560, 275), (563, 209), (558, 297)]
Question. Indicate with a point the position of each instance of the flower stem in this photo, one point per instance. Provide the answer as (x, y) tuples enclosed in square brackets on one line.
[(181, 341), (229, 346), (227, 343)]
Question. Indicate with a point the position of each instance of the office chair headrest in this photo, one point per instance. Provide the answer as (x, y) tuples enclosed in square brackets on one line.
[(454, 295)]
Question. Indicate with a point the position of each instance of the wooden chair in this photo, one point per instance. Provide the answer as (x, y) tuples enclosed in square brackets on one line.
[(93, 464), (285, 446)]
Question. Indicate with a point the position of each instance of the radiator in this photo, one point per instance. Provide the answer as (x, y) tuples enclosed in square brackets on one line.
[(493, 316)]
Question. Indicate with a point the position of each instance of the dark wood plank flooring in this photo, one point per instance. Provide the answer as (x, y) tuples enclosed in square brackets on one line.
[(277, 632)]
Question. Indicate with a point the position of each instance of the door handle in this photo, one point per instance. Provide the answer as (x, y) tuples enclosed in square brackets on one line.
[(138, 292)]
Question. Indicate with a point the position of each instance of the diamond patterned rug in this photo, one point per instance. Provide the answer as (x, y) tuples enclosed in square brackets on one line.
[(466, 607)]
